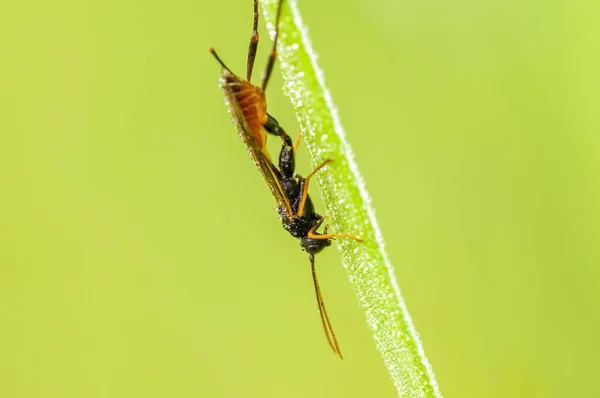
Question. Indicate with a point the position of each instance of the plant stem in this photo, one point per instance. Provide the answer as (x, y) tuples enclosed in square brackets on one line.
[(349, 207)]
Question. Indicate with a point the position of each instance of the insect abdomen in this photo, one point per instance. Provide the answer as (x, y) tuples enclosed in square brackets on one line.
[(251, 100)]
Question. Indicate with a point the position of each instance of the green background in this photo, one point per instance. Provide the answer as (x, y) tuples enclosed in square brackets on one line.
[(140, 255)]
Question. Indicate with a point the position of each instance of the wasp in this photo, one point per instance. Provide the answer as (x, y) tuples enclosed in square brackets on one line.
[(248, 107)]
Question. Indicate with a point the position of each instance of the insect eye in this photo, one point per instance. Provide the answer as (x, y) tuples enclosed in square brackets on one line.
[(314, 246)]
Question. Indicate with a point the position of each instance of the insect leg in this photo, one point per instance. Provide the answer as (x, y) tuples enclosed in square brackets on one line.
[(298, 141), (305, 187), (314, 235), (253, 44), (273, 55)]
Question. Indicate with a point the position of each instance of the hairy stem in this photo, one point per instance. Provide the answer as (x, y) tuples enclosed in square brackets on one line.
[(349, 206)]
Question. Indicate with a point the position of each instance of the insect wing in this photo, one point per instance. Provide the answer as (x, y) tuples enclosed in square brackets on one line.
[(261, 157)]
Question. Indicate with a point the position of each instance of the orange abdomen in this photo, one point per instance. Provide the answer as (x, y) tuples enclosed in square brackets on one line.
[(251, 100)]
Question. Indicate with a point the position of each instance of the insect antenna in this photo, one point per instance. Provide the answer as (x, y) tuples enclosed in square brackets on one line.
[(273, 56), (327, 327), (214, 53)]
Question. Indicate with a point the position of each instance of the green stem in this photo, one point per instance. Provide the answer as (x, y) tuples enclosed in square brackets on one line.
[(349, 207)]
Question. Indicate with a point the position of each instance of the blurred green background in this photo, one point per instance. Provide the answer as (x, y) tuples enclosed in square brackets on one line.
[(140, 255)]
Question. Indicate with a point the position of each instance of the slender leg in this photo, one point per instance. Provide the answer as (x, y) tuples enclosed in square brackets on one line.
[(253, 44), (327, 327), (313, 235), (305, 187), (298, 141), (273, 55)]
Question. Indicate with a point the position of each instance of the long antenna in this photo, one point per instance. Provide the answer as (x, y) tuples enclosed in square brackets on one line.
[(327, 327), (273, 55)]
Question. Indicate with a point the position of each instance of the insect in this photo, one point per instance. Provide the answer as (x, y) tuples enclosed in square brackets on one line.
[(248, 107)]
